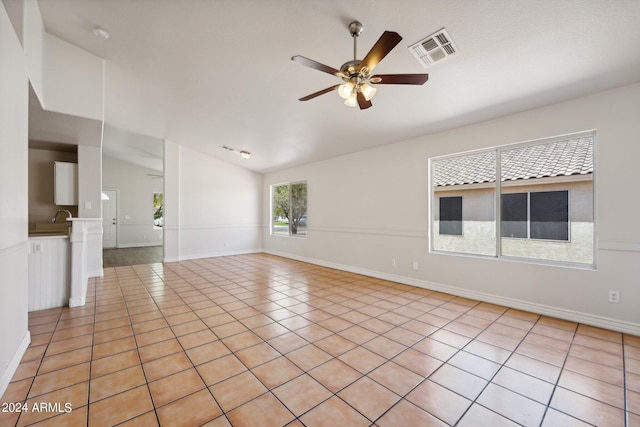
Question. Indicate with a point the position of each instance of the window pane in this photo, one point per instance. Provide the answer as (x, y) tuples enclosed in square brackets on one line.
[(463, 210), (514, 215), (556, 177), (158, 210), (550, 215), (298, 217), (289, 216), (451, 215), (280, 214)]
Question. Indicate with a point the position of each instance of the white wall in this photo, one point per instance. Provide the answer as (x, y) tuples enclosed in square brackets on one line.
[(33, 41), (14, 335), (369, 207), (65, 78), (73, 79), (135, 201), (90, 203), (41, 205), (213, 208)]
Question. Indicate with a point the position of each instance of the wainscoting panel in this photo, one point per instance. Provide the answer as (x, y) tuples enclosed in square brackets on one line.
[(49, 272)]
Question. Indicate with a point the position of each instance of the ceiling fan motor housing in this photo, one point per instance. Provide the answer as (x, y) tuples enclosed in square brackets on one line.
[(350, 68)]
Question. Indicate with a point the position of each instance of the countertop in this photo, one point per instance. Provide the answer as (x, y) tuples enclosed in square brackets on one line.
[(48, 235)]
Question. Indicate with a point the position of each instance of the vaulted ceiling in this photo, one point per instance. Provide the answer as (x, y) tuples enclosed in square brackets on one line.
[(207, 73)]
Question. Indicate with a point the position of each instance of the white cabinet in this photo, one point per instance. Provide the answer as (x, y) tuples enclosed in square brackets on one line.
[(65, 184)]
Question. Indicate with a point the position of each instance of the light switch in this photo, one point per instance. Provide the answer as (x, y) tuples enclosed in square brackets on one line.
[(87, 205)]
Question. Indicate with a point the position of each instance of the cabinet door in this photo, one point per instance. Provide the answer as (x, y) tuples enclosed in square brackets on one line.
[(65, 183)]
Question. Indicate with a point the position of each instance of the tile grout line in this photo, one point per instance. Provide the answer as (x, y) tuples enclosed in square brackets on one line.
[(624, 384)]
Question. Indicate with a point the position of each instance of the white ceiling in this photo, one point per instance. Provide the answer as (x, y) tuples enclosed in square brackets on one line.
[(207, 73)]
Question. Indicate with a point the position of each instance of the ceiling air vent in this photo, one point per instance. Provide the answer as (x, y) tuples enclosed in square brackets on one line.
[(434, 48)]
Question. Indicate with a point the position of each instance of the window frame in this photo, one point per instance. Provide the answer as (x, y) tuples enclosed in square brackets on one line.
[(498, 184)]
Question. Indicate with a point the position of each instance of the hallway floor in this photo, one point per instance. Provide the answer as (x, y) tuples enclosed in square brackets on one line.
[(131, 256), (258, 340)]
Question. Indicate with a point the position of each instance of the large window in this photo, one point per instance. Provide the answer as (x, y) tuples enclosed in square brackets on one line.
[(289, 209), (543, 201)]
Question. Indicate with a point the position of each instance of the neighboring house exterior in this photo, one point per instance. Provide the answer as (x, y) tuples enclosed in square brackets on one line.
[(546, 202)]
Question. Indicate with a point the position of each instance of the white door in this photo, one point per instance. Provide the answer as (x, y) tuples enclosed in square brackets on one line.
[(109, 218)]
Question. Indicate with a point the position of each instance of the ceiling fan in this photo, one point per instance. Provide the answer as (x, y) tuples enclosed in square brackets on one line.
[(357, 75)]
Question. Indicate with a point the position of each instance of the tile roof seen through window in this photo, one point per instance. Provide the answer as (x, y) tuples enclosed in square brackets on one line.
[(562, 158)]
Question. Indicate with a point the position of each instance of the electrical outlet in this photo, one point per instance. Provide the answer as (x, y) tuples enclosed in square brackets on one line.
[(415, 265), (614, 297), (393, 262)]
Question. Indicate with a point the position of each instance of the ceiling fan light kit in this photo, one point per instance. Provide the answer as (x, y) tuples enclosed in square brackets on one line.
[(357, 74)]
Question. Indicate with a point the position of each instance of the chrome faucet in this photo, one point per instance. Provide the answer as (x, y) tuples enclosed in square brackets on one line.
[(55, 217)]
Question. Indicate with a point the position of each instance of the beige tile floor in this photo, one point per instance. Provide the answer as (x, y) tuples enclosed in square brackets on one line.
[(257, 340)]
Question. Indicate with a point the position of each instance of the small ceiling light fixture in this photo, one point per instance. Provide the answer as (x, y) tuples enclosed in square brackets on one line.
[(101, 33), (243, 153)]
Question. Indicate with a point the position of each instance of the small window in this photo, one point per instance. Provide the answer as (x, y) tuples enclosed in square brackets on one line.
[(514, 215), (451, 216), (289, 209), (540, 215), (550, 215)]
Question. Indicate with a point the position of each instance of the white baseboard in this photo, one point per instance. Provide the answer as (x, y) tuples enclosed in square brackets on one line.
[(574, 316), (211, 255), (137, 245), (8, 373), (77, 302), (96, 273)]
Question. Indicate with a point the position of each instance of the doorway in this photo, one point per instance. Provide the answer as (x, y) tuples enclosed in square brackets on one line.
[(109, 218), (132, 165)]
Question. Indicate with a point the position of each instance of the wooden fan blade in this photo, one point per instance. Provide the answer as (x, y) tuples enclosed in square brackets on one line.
[(362, 102), (320, 92), (401, 79), (316, 65), (387, 41)]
